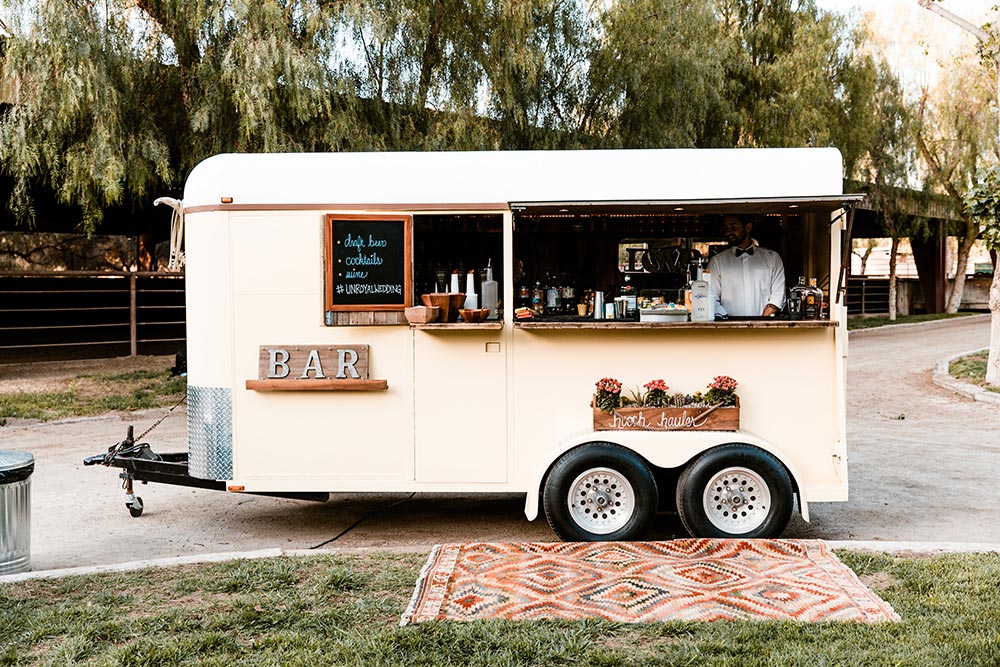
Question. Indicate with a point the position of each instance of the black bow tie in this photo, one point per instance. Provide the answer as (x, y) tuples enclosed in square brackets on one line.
[(741, 251)]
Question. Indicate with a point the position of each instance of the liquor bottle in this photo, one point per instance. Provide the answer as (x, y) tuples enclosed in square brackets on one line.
[(524, 296), (568, 295), (812, 301), (551, 296), (490, 292), (687, 289), (538, 298), (795, 296), (631, 302), (702, 306)]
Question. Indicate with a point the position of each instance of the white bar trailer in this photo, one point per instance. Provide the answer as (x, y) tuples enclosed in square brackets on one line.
[(304, 376)]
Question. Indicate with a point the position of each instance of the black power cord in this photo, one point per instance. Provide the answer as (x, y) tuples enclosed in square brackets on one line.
[(363, 518)]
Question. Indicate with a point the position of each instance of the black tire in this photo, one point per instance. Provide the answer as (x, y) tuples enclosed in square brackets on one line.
[(752, 494), (135, 508), (615, 489)]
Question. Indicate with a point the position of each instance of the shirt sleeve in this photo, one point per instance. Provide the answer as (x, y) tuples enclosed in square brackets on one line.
[(777, 295)]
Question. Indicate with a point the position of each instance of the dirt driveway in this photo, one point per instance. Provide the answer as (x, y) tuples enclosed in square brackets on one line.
[(923, 464)]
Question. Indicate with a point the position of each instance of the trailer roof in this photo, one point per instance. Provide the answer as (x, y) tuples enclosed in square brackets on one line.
[(496, 180)]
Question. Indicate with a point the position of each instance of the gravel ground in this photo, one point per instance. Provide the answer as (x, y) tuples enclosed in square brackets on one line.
[(923, 466)]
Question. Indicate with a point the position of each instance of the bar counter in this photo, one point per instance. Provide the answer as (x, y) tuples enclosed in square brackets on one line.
[(542, 324)]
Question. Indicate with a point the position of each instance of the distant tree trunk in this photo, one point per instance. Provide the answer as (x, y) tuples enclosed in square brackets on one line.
[(971, 226), (866, 255), (958, 287), (993, 362), (893, 254)]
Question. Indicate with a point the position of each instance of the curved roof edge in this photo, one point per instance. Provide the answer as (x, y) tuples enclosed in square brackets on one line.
[(500, 177)]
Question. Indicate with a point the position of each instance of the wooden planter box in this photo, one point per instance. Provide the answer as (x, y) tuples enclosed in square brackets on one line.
[(669, 419)]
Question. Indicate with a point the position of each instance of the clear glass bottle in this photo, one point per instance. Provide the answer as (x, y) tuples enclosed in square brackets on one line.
[(551, 296)]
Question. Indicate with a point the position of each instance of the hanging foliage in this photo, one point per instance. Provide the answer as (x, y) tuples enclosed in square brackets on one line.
[(115, 102)]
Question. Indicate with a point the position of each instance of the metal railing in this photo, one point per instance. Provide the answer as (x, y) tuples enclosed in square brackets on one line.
[(867, 296), (142, 312)]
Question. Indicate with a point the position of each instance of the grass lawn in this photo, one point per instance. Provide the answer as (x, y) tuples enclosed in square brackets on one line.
[(96, 393), (344, 610), (871, 322), (971, 368)]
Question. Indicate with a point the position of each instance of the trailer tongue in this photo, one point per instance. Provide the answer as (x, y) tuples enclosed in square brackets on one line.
[(140, 463)]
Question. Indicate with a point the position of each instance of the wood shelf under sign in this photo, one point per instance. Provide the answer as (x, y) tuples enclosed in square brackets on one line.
[(318, 385), (459, 326)]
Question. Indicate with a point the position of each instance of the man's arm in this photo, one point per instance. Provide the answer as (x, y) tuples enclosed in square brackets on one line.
[(776, 298)]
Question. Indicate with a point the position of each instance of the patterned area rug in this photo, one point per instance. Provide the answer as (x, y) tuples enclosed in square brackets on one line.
[(634, 582)]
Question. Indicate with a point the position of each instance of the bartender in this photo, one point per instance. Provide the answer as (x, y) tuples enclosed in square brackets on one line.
[(745, 279)]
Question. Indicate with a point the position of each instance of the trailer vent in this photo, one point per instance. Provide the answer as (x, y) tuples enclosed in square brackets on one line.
[(210, 432)]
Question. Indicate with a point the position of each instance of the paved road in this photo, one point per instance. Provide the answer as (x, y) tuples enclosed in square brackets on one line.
[(923, 465), (924, 462)]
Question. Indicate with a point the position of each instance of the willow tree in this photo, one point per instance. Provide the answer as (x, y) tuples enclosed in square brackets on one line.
[(795, 75), (956, 136), (656, 76), (115, 101), (886, 162)]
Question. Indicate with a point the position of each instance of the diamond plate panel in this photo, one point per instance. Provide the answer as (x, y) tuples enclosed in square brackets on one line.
[(210, 432)]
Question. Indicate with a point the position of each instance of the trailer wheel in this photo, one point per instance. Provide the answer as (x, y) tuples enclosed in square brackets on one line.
[(135, 507), (599, 492), (735, 491)]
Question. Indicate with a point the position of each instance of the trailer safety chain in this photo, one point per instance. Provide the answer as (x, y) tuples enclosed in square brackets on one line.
[(131, 444), (160, 420), (366, 516)]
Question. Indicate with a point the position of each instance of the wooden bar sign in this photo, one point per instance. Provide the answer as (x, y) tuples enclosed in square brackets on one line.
[(314, 368), (313, 362)]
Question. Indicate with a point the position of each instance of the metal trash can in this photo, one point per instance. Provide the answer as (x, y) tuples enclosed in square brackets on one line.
[(15, 511)]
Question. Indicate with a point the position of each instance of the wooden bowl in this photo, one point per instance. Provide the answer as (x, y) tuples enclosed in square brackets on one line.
[(474, 315), (422, 314), (447, 303), (457, 301)]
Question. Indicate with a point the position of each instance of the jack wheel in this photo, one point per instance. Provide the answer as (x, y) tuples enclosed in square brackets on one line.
[(135, 507)]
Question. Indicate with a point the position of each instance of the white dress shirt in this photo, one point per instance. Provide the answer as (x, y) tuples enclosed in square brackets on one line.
[(743, 286)]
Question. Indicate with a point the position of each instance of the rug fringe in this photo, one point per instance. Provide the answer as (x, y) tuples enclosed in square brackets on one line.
[(872, 607), (419, 589)]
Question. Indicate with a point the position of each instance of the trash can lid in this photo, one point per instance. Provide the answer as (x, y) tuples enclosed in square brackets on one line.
[(13, 460)]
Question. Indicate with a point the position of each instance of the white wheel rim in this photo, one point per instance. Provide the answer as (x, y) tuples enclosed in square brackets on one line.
[(601, 501), (737, 501)]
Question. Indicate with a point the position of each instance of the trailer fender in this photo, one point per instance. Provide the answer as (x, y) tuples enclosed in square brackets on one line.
[(649, 445)]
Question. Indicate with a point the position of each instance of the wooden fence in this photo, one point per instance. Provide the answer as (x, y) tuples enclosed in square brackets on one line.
[(70, 314)]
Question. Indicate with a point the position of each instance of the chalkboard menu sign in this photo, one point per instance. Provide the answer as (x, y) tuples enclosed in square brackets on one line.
[(368, 262)]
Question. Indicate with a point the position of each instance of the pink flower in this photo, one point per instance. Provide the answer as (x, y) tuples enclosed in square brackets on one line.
[(609, 385), (656, 385), (723, 383)]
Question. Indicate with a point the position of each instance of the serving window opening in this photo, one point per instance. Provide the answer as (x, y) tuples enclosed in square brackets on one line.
[(565, 262)]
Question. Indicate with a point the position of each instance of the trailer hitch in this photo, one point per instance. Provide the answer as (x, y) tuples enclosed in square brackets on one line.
[(139, 463), (127, 447)]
